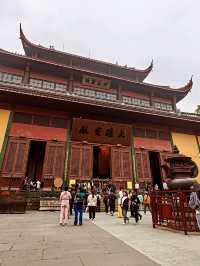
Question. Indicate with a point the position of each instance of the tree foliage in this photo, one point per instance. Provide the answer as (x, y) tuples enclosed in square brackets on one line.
[(198, 109)]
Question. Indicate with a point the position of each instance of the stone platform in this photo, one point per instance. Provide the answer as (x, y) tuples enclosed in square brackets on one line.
[(36, 239)]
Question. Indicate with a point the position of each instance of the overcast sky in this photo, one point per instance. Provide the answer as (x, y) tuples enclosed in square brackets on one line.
[(128, 31)]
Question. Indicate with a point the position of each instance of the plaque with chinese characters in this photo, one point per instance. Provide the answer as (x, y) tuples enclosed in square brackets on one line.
[(101, 132)]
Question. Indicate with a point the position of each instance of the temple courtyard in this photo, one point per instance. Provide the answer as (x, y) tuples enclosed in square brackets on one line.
[(35, 238)]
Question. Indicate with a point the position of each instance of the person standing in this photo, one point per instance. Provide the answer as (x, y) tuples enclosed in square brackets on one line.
[(121, 194), (106, 201), (98, 202), (78, 207), (146, 202), (141, 198), (112, 199), (65, 196), (125, 206), (194, 202), (38, 185), (71, 201), (135, 203), (164, 184), (92, 203)]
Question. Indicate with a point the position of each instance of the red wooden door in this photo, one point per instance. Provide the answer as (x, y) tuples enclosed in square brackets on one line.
[(121, 163), (142, 165), (16, 157), (54, 160), (81, 161), (75, 161)]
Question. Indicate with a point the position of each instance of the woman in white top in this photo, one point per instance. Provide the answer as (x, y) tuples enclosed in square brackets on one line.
[(65, 196), (92, 203)]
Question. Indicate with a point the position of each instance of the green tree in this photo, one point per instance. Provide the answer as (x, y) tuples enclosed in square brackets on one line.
[(198, 109)]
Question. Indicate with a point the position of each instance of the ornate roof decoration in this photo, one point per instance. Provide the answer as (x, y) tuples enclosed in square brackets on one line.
[(100, 67)]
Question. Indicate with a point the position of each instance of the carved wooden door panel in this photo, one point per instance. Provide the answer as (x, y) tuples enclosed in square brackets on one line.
[(81, 161), (121, 163), (126, 163), (115, 163), (142, 165), (54, 160), (87, 162), (16, 157), (75, 161)]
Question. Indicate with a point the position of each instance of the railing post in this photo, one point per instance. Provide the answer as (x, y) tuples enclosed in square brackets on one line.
[(182, 200)]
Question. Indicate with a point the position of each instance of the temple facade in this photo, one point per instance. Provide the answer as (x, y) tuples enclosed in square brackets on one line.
[(63, 115)]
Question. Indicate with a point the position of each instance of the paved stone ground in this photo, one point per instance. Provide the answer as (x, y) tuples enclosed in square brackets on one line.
[(36, 239), (166, 247)]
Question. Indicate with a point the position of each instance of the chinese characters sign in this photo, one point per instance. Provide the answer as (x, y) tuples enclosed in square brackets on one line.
[(101, 132)]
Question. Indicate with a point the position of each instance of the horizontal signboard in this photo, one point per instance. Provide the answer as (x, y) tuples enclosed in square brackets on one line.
[(101, 132)]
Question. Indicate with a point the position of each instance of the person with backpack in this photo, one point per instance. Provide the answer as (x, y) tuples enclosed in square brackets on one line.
[(125, 206), (78, 207)]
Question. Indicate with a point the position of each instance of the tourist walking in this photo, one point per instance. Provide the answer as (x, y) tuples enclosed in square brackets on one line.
[(78, 207), (135, 204), (92, 203), (119, 209), (125, 206), (98, 202), (71, 201), (141, 198), (194, 202), (106, 201), (146, 202), (38, 185), (112, 199), (65, 196)]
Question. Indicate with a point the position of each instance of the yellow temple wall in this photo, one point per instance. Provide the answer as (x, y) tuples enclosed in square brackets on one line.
[(187, 145), (4, 119)]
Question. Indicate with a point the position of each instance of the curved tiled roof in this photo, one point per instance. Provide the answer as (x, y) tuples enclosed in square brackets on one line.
[(98, 66)]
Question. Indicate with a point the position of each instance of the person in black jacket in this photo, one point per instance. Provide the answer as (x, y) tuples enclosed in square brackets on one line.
[(125, 206), (135, 204), (112, 199)]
